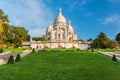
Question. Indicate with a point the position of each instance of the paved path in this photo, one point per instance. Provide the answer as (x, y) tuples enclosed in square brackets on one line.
[(110, 54), (5, 56)]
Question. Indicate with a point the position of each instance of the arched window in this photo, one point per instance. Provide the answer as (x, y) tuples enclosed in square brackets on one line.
[(63, 36), (59, 36), (48, 38), (69, 32), (70, 39), (49, 33), (59, 28)]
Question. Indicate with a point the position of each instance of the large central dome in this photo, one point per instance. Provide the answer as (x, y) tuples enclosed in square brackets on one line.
[(60, 18)]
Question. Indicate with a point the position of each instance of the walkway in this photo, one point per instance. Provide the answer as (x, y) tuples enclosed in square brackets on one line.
[(110, 54), (5, 56)]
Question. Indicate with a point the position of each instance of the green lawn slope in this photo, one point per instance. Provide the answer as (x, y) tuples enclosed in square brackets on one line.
[(62, 66)]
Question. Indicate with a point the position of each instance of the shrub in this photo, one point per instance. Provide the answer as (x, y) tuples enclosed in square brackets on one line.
[(44, 50), (18, 58), (78, 49), (33, 50), (74, 47), (1, 50), (92, 50), (55, 50), (24, 48), (69, 50), (46, 47), (114, 58), (11, 60)]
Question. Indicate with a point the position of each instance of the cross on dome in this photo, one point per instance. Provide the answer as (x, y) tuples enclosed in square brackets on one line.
[(60, 18), (69, 22), (60, 11)]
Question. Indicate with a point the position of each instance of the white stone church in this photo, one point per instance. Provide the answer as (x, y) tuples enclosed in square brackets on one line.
[(60, 31), (60, 35)]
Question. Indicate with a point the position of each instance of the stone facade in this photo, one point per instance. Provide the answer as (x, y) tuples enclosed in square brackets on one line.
[(51, 44), (60, 31)]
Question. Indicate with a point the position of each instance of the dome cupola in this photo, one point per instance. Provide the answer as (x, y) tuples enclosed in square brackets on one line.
[(60, 18), (49, 27), (70, 27)]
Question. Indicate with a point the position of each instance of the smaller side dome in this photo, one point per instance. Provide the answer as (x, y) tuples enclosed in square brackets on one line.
[(49, 27), (70, 27)]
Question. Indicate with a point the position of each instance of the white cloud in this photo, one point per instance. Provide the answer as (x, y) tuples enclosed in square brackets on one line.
[(37, 32), (76, 3), (79, 4), (111, 19)]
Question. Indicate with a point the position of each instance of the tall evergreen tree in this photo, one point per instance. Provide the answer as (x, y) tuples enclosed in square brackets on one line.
[(11, 60), (118, 37), (102, 41), (18, 58)]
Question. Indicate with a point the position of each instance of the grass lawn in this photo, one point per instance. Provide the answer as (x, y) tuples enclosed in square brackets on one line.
[(108, 50), (61, 49), (62, 66), (15, 49)]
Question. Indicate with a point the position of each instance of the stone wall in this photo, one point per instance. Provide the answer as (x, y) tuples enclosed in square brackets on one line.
[(48, 44)]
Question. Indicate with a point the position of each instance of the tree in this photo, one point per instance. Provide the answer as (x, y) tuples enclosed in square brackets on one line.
[(4, 35), (17, 35), (118, 38), (81, 40), (35, 38), (112, 44), (90, 39), (20, 32), (1, 28), (103, 42), (3, 21), (3, 17), (43, 39), (39, 38), (28, 38)]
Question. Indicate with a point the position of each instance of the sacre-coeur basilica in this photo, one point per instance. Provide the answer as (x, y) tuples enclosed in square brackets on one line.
[(59, 34)]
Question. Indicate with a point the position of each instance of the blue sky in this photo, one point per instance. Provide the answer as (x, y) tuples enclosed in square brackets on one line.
[(88, 17)]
